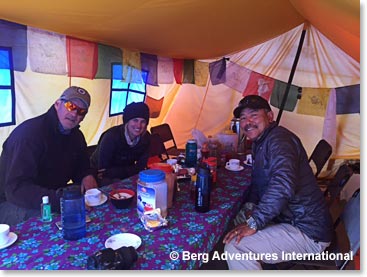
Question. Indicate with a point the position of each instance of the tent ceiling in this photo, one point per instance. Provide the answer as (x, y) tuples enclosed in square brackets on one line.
[(189, 29)]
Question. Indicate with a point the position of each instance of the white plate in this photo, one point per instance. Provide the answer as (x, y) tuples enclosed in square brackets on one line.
[(238, 169), (103, 199), (123, 239), (12, 238), (247, 163)]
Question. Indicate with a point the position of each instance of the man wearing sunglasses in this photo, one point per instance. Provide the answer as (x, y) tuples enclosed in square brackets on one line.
[(42, 155)]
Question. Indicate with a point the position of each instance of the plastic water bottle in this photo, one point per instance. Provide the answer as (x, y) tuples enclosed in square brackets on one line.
[(202, 194), (73, 213), (191, 153)]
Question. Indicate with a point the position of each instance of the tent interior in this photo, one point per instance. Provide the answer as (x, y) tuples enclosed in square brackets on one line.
[(255, 37)]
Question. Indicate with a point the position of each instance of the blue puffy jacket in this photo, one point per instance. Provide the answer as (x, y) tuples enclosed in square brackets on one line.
[(284, 186)]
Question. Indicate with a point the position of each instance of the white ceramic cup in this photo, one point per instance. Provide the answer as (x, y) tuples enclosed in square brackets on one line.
[(4, 233), (93, 196), (172, 161), (249, 159), (233, 164)]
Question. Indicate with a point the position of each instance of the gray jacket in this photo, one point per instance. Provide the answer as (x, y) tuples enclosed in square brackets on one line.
[(284, 186)]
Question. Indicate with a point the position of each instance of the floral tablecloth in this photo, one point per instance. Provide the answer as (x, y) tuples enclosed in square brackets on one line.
[(41, 246)]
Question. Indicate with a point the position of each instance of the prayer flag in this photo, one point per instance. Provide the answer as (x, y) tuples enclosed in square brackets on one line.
[(177, 70), (82, 58), (15, 36), (47, 52), (131, 67), (259, 84), (188, 73), (201, 73), (107, 55), (165, 70), (237, 77), (278, 94), (149, 63), (217, 71), (313, 101), (348, 99), (330, 129)]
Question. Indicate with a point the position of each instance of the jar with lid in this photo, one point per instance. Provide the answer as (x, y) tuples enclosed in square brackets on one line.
[(191, 153), (73, 213), (152, 191), (171, 180)]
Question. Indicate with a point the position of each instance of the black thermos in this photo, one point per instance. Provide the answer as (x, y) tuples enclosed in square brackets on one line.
[(202, 193)]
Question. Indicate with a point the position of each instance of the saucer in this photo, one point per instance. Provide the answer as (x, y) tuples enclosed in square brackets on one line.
[(238, 169), (123, 239), (12, 238), (103, 199)]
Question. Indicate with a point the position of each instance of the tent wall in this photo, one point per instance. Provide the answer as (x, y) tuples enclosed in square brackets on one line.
[(185, 107)]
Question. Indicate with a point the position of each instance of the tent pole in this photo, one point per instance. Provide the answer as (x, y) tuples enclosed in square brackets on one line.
[(293, 70)]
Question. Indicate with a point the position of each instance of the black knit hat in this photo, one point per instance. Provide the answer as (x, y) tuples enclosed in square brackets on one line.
[(135, 110), (253, 102)]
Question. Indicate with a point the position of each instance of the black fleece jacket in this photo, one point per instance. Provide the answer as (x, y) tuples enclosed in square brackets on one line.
[(118, 158), (37, 160)]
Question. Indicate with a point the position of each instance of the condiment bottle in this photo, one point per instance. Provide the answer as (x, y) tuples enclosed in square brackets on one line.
[(46, 215)]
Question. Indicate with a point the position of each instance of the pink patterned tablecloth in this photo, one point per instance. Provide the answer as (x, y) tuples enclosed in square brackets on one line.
[(40, 245)]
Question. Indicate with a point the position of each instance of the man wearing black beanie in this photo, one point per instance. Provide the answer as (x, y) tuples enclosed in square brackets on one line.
[(123, 150)]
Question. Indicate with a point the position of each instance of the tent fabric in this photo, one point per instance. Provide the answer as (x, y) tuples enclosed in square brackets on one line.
[(189, 29), (260, 36), (321, 63)]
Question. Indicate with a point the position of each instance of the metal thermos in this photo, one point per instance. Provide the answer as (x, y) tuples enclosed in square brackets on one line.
[(202, 193), (191, 153)]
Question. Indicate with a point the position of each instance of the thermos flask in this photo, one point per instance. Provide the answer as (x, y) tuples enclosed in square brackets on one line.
[(202, 193)]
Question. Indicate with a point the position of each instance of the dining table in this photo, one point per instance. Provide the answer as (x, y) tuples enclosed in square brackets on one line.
[(181, 245)]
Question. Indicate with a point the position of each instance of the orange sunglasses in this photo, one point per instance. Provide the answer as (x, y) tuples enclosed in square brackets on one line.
[(70, 106)]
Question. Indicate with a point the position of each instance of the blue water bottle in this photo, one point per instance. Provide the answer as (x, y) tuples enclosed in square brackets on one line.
[(202, 194), (73, 213), (191, 153)]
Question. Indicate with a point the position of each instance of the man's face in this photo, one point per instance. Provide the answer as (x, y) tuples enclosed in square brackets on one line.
[(69, 118), (254, 122), (136, 126)]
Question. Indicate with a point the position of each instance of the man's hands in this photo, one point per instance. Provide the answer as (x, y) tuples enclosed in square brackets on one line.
[(238, 233), (88, 182)]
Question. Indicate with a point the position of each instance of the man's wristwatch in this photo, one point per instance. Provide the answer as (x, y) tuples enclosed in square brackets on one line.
[(251, 223)]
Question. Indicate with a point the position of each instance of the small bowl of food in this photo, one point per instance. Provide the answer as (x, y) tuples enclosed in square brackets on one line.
[(121, 198)]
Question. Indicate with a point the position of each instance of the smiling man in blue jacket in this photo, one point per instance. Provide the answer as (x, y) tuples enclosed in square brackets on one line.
[(287, 211)]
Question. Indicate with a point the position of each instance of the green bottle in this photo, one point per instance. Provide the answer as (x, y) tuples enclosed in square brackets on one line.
[(46, 210)]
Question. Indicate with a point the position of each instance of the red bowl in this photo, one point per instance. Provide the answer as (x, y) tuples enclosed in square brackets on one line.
[(121, 198)]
